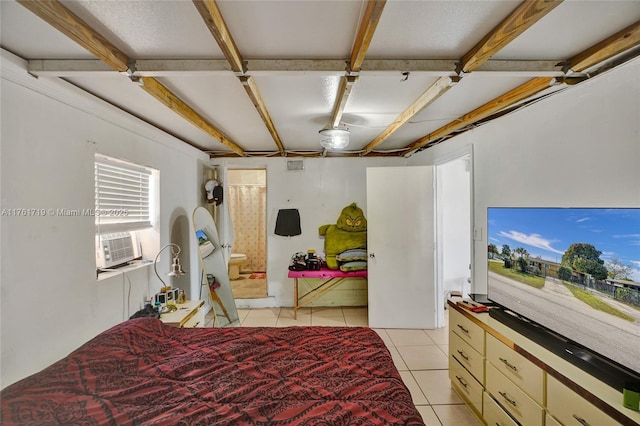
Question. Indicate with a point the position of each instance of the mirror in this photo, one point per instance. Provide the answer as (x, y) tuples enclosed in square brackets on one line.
[(214, 280)]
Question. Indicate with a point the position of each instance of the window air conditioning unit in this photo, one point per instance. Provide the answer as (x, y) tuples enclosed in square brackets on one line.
[(116, 248)]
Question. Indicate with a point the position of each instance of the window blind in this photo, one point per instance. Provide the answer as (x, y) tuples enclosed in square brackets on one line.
[(122, 196)]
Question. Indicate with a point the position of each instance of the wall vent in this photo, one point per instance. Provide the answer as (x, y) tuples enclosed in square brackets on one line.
[(295, 165)]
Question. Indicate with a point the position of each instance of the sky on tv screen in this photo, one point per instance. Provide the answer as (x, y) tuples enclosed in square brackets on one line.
[(548, 232)]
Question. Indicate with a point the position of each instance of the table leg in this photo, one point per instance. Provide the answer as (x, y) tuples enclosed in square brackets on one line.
[(295, 298)]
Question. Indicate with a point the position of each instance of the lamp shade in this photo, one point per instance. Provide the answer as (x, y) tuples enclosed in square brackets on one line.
[(288, 223), (334, 138)]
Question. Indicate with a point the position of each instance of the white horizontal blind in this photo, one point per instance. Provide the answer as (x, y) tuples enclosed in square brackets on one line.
[(122, 196)]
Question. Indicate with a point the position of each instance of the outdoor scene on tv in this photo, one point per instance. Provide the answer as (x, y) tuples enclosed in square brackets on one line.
[(575, 271)]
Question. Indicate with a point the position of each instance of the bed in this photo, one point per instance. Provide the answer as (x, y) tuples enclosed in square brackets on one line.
[(144, 372)]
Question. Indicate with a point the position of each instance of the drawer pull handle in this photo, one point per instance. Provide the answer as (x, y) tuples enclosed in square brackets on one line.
[(463, 329), (463, 355), (506, 397), (580, 420), (462, 382), (508, 364)]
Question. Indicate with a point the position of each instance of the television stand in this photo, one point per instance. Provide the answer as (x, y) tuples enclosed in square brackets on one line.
[(502, 374), (598, 366)]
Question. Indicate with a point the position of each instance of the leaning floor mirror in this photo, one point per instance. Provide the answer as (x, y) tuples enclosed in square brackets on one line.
[(214, 283)]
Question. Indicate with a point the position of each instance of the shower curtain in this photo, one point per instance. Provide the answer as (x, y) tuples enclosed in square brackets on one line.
[(247, 204)]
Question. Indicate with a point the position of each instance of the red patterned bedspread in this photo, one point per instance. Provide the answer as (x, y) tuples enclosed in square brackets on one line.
[(143, 372)]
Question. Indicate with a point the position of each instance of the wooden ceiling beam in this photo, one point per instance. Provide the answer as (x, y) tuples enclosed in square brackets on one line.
[(439, 88), (165, 96), (503, 101), (212, 17), (346, 83), (189, 67), (58, 16), (61, 18), (367, 28), (619, 42), (249, 85), (209, 11), (522, 18)]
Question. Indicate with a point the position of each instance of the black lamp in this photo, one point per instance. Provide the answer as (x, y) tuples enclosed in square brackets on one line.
[(288, 223)]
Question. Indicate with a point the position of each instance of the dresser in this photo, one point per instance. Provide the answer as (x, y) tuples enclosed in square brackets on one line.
[(188, 315), (506, 379)]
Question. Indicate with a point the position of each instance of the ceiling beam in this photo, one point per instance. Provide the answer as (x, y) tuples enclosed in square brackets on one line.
[(165, 96), (188, 67), (522, 18), (436, 90), (505, 100), (212, 17), (209, 11), (367, 28), (619, 42), (346, 83), (249, 85), (58, 16)]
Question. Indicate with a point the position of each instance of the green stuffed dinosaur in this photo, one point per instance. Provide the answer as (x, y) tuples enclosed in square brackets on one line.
[(349, 233)]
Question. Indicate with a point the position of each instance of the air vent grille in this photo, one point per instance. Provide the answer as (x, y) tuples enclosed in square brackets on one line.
[(117, 248), (295, 165)]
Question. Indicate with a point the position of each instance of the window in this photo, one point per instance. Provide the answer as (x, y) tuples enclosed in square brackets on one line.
[(123, 195)]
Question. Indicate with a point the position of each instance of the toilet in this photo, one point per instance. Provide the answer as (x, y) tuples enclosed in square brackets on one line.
[(237, 260)]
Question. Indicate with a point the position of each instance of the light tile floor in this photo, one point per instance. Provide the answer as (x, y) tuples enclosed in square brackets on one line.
[(419, 355)]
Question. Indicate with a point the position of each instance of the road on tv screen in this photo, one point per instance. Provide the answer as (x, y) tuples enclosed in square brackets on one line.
[(556, 308)]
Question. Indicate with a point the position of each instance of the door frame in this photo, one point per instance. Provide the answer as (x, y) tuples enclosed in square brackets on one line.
[(439, 161)]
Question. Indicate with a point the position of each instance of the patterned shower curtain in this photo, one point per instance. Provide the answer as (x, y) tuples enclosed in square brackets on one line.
[(247, 204)]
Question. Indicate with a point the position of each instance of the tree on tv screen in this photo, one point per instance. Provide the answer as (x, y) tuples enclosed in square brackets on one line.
[(584, 258)]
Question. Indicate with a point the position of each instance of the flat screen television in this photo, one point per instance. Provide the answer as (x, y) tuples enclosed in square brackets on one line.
[(569, 279)]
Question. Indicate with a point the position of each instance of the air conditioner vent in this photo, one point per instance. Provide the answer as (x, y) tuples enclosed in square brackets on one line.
[(295, 165), (116, 248)]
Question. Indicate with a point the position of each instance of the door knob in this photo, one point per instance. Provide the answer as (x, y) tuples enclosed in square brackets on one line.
[(372, 255)]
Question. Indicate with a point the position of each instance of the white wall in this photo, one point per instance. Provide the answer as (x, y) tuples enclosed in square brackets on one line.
[(320, 192), (51, 300), (578, 148)]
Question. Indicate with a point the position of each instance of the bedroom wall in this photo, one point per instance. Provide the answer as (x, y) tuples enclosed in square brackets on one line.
[(320, 192), (51, 301), (578, 148)]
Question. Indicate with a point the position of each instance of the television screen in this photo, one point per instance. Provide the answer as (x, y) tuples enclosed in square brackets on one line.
[(575, 271)]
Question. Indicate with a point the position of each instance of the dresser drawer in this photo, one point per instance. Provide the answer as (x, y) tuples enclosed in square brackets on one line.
[(467, 329), (467, 356), (550, 421), (521, 407), (571, 409), (464, 383), (196, 320), (493, 414), (522, 372)]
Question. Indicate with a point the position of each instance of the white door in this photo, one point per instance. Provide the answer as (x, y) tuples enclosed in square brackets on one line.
[(400, 242)]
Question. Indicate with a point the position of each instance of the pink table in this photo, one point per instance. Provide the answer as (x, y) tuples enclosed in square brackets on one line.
[(330, 278)]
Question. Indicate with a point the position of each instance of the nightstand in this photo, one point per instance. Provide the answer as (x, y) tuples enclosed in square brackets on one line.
[(189, 315)]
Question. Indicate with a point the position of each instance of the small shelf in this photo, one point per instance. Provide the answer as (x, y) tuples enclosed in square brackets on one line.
[(131, 266)]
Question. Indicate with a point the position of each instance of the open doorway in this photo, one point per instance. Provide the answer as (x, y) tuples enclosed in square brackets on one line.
[(247, 197), (453, 227)]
